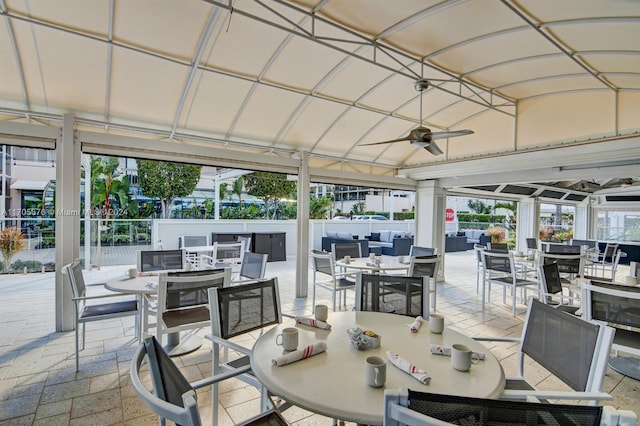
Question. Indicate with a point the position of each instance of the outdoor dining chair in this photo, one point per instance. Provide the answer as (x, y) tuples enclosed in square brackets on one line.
[(172, 397), (236, 311), (183, 300), (552, 290), (573, 350), (85, 310), (499, 268), (416, 408), (253, 267), (426, 266), (326, 276), (395, 294)]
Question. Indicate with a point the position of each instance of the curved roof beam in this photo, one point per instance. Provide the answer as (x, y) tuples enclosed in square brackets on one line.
[(107, 95), (519, 11), (16, 54)]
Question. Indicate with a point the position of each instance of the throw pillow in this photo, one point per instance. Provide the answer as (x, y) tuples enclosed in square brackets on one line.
[(345, 236), (332, 235), (385, 236), (375, 236)]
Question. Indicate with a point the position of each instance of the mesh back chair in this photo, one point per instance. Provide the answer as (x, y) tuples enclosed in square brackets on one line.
[(172, 396), (229, 252), (606, 271), (340, 250), (563, 249), (422, 251), (499, 268), (325, 276), (84, 312), (569, 265), (393, 294), (254, 266), (414, 408), (236, 311), (617, 305), (246, 241), (551, 289), (183, 300), (532, 244), (573, 350), (426, 266), (498, 247), (161, 260), (193, 241)]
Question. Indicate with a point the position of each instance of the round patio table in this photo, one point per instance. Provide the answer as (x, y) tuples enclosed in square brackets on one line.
[(333, 384)]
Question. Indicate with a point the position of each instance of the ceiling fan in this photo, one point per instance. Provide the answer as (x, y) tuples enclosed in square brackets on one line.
[(423, 137)]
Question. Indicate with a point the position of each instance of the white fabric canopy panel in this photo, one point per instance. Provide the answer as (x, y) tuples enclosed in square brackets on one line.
[(328, 76)]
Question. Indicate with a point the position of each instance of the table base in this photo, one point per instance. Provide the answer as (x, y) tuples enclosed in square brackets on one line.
[(175, 347), (628, 366)]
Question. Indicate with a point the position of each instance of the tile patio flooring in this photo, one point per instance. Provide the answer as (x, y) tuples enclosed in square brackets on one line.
[(38, 384)]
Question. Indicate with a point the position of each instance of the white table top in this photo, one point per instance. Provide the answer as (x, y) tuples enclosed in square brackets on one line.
[(199, 249), (389, 263), (145, 284), (333, 383)]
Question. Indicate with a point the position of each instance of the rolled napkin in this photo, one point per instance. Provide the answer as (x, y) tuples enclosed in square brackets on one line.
[(446, 351), (408, 368), (297, 355), (313, 323), (416, 324)]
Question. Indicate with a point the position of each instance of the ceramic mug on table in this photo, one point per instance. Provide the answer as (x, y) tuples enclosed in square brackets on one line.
[(436, 323), (288, 339), (462, 357), (321, 312), (375, 371), (347, 259), (132, 272)]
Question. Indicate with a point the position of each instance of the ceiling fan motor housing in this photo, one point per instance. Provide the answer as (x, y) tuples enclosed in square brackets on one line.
[(421, 85)]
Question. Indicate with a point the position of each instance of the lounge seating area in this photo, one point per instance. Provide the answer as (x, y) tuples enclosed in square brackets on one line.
[(391, 243), (39, 384)]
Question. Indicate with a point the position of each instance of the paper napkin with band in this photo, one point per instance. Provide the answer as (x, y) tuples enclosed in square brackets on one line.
[(416, 324), (313, 323), (298, 354), (407, 367)]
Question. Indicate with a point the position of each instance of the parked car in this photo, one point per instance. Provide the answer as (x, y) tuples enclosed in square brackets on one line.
[(370, 217)]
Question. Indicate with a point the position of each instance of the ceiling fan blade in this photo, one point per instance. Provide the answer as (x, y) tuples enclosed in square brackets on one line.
[(450, 134), (434, 149), (406, 138)]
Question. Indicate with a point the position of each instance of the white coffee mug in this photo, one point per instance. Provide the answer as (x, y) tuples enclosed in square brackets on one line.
[(321, 312), (462, 357), (436, 323), (133, 272), (288, 339), (375, 371), (347, 259)]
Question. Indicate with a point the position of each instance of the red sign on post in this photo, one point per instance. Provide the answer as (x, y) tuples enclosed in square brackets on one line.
[(449, 215)]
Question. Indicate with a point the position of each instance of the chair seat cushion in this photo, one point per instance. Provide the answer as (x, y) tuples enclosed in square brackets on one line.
[(345, 283), (104, 309), (186, 316)]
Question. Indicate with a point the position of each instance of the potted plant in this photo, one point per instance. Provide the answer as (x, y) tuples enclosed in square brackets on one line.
[(11, 242)]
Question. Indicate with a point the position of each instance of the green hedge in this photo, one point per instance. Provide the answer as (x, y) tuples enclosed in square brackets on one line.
[(482, 218)]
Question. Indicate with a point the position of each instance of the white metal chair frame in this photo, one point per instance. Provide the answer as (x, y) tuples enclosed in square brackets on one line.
[(336, 282), (246, 273), (224, 248), (433, 277), (162, 328), (507, 278), (397, 411), (84, 312), (598, 363)]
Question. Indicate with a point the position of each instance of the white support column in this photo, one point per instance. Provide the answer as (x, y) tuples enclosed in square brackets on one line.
[(216, 202), (431, 202), (67, 218), (581, 220), (527, 222), (302, 259)]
